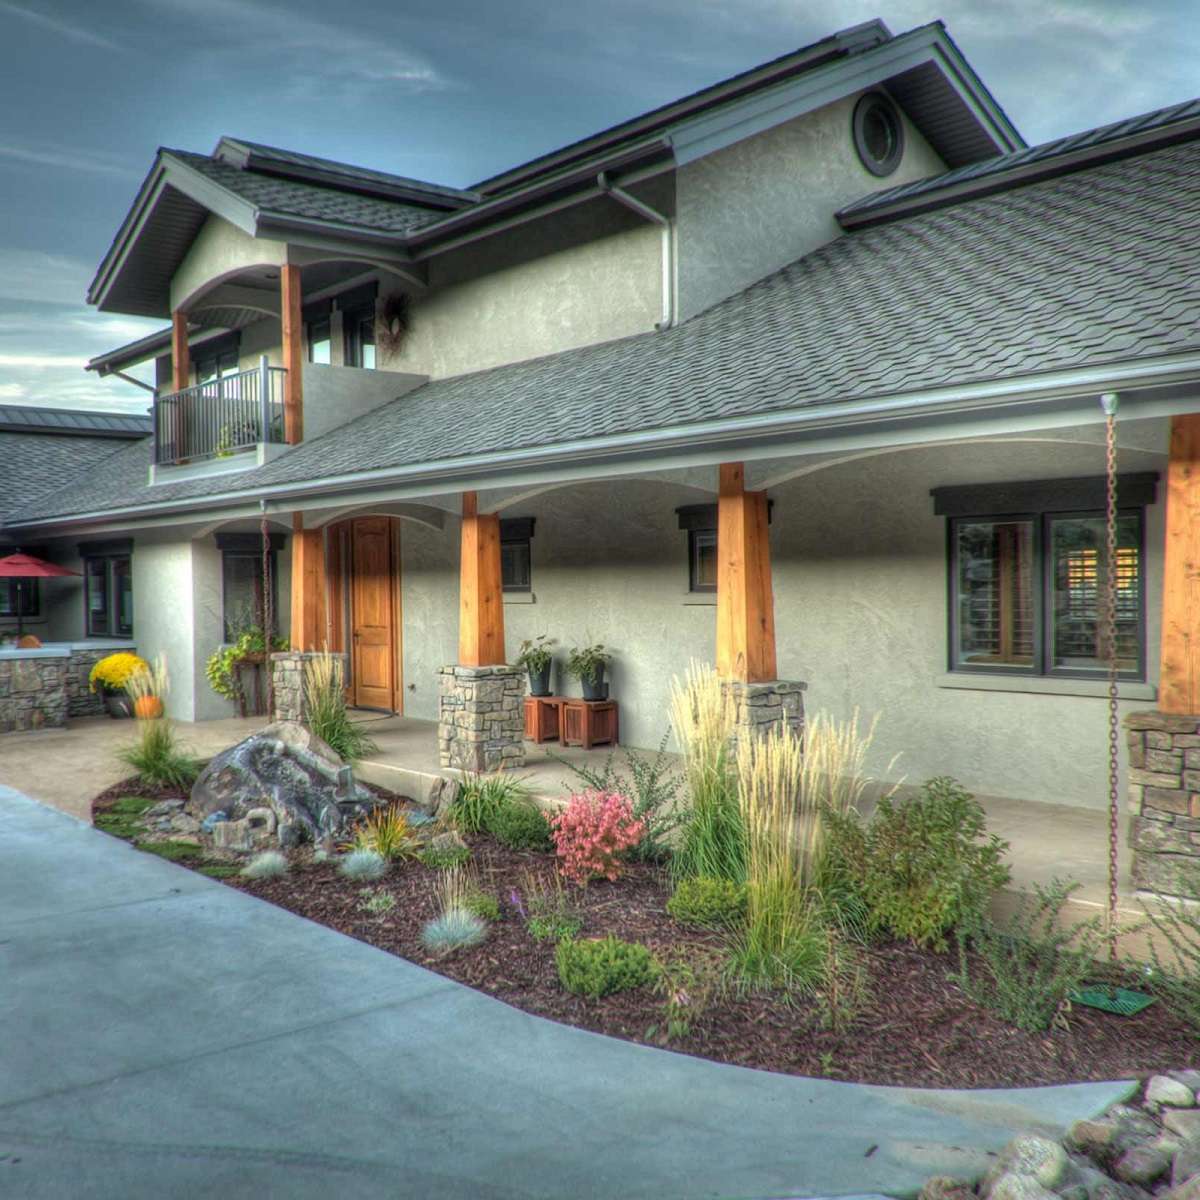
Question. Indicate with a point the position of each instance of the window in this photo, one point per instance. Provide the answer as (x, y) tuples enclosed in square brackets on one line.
[(1028, 589), (702, 560), (358, 327), (878, 133), (22, 592), (516, 572), (107, 589), (217, 366), (242, 581), (320, 342)]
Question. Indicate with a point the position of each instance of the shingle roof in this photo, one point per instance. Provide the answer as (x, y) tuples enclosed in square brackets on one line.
[(309, 200), (34, 464), (1094, 140), (1086, 269), (33, 418)]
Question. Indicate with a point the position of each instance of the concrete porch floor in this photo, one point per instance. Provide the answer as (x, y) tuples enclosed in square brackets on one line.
[(65, 768)]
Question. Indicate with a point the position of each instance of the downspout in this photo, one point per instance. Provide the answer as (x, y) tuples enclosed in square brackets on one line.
[(668, 242)]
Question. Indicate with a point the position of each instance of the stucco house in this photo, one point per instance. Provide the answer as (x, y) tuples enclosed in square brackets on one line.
[(799, 374)]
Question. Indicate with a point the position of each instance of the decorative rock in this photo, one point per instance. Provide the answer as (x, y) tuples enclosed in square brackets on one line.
[(1141, 1165), (1037, 1157), (450, 840), (946, 1187), (1012, 1185), (1188, 1190), (1185, 1165), (286, 771), (442, 795), (1185, 1122), (1092, 1137), (1162, 1089), (1187, 1078)]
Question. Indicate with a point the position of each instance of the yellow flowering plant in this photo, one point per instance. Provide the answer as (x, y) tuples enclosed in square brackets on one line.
[(114, 671)]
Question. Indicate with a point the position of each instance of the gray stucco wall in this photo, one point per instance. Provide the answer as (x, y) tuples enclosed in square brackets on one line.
[(756, 206), (860, 606)]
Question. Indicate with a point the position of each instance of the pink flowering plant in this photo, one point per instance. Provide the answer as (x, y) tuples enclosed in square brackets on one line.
[(592, 833)]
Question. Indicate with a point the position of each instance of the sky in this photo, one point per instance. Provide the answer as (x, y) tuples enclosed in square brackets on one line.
[(450, 92)]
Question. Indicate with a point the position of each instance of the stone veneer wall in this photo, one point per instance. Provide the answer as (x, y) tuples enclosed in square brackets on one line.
[(761, 706), (81, 702), (481, 720), (33, 693), (1164, 797), (287, 673)]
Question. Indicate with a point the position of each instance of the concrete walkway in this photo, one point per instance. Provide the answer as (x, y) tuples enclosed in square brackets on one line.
[(164, 1035)]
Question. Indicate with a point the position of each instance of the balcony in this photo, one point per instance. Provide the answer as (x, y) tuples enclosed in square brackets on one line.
[(220, 418)]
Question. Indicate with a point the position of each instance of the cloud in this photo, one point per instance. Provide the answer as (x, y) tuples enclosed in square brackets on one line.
[(75, 33), (40, 361), (37, 276), (13, 391), (69, 158)]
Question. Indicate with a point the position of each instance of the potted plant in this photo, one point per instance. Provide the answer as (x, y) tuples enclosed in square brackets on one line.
[(110, 675), (537, 658), (587, 664)]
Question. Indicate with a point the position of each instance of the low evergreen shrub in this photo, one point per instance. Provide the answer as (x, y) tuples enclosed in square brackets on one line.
[(707, 902), (443, 858), (602, 966), (482, 904), (919, 867), (1027, 969), (520, 825)]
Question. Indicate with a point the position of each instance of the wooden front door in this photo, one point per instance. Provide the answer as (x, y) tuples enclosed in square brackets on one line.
[(373, 614)]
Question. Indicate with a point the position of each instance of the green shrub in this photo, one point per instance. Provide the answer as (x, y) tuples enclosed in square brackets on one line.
[(123, 819), (267, 865), (456, 929), (482, 904), (708, 903), (603, 966), (443, 858), (920, 866), (481, 797), (547, 907), (687, 980), (363, 864), (378, 901), (171, 850), (1029, 968), (158, 758), (328, 717), (520, 825), (1176, 970)]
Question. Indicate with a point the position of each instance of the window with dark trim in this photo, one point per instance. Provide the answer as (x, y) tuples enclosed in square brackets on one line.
[(358, 330), (1029, 570), (107, 588), (24, 592), (516, 564), (242, 581), (700, 523), (318, 334)]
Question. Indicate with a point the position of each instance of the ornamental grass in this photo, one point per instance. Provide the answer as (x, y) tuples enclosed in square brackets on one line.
[(328, 717)]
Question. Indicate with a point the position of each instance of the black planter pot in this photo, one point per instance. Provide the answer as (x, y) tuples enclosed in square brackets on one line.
[(118, 705), (595, 688), (539, 681)]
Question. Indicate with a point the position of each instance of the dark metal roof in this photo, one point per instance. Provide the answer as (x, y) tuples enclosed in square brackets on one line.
[(1080, 150), (22, 418), (1086, 270), (308, 168)]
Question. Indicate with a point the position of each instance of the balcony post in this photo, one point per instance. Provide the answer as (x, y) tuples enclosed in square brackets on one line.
[(481, 599), (293, 357), (264, 399), (308, 586)]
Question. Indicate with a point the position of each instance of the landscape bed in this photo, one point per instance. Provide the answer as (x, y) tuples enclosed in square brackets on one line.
[(915, 1026)]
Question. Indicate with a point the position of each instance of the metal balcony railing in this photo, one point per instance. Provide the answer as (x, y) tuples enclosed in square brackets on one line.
[(220, 417)]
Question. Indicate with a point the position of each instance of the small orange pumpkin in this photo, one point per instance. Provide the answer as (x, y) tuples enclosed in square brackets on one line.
[(147, 708)]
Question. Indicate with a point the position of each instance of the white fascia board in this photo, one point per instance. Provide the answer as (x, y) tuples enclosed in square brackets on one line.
[(210, 195), (135, 222), (757, 113)]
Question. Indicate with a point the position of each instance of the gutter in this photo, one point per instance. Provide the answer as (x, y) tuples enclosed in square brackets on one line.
[(668, 243), (772, 428)]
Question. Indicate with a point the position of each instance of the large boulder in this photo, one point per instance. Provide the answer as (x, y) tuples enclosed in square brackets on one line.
[(287, 770)]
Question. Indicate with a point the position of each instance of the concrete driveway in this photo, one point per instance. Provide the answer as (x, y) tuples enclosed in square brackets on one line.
[(164, 1035)]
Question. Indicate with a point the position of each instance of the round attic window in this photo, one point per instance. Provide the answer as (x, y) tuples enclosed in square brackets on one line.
[(878, 134)]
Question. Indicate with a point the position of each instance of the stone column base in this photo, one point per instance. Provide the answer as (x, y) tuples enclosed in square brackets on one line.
[(33, 693), (481, 720), (763, 706), (1164, 800), (287, 675)]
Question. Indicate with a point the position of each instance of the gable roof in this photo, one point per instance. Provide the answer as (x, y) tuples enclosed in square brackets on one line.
[(1085, 271)]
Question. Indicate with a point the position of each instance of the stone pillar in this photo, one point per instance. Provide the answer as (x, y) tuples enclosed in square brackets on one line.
[(33, 693), (1164, 800), (287, 674), (481, 721), (763, 706)]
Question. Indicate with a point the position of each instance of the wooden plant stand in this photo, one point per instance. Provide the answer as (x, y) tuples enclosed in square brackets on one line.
[(589, 723), (543, 718)]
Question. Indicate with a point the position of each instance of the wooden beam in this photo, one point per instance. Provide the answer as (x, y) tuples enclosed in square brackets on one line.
[(181, 366), (745, 600), (480, 590), (1179, 674), (293, 354), (308, 586)]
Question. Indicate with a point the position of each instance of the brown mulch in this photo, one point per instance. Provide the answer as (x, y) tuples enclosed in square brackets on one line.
[(916, 1028)]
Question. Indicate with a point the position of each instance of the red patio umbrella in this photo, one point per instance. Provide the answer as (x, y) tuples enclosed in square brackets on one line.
[(26, 566)]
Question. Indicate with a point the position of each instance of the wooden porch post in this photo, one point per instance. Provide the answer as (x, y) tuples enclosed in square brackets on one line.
[(745, 603), (293, 354), (180, 365), (308, 586), (1179, 675), (480, 597)]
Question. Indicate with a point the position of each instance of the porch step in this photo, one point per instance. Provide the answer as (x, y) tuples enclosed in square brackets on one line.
[(405, 781)]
